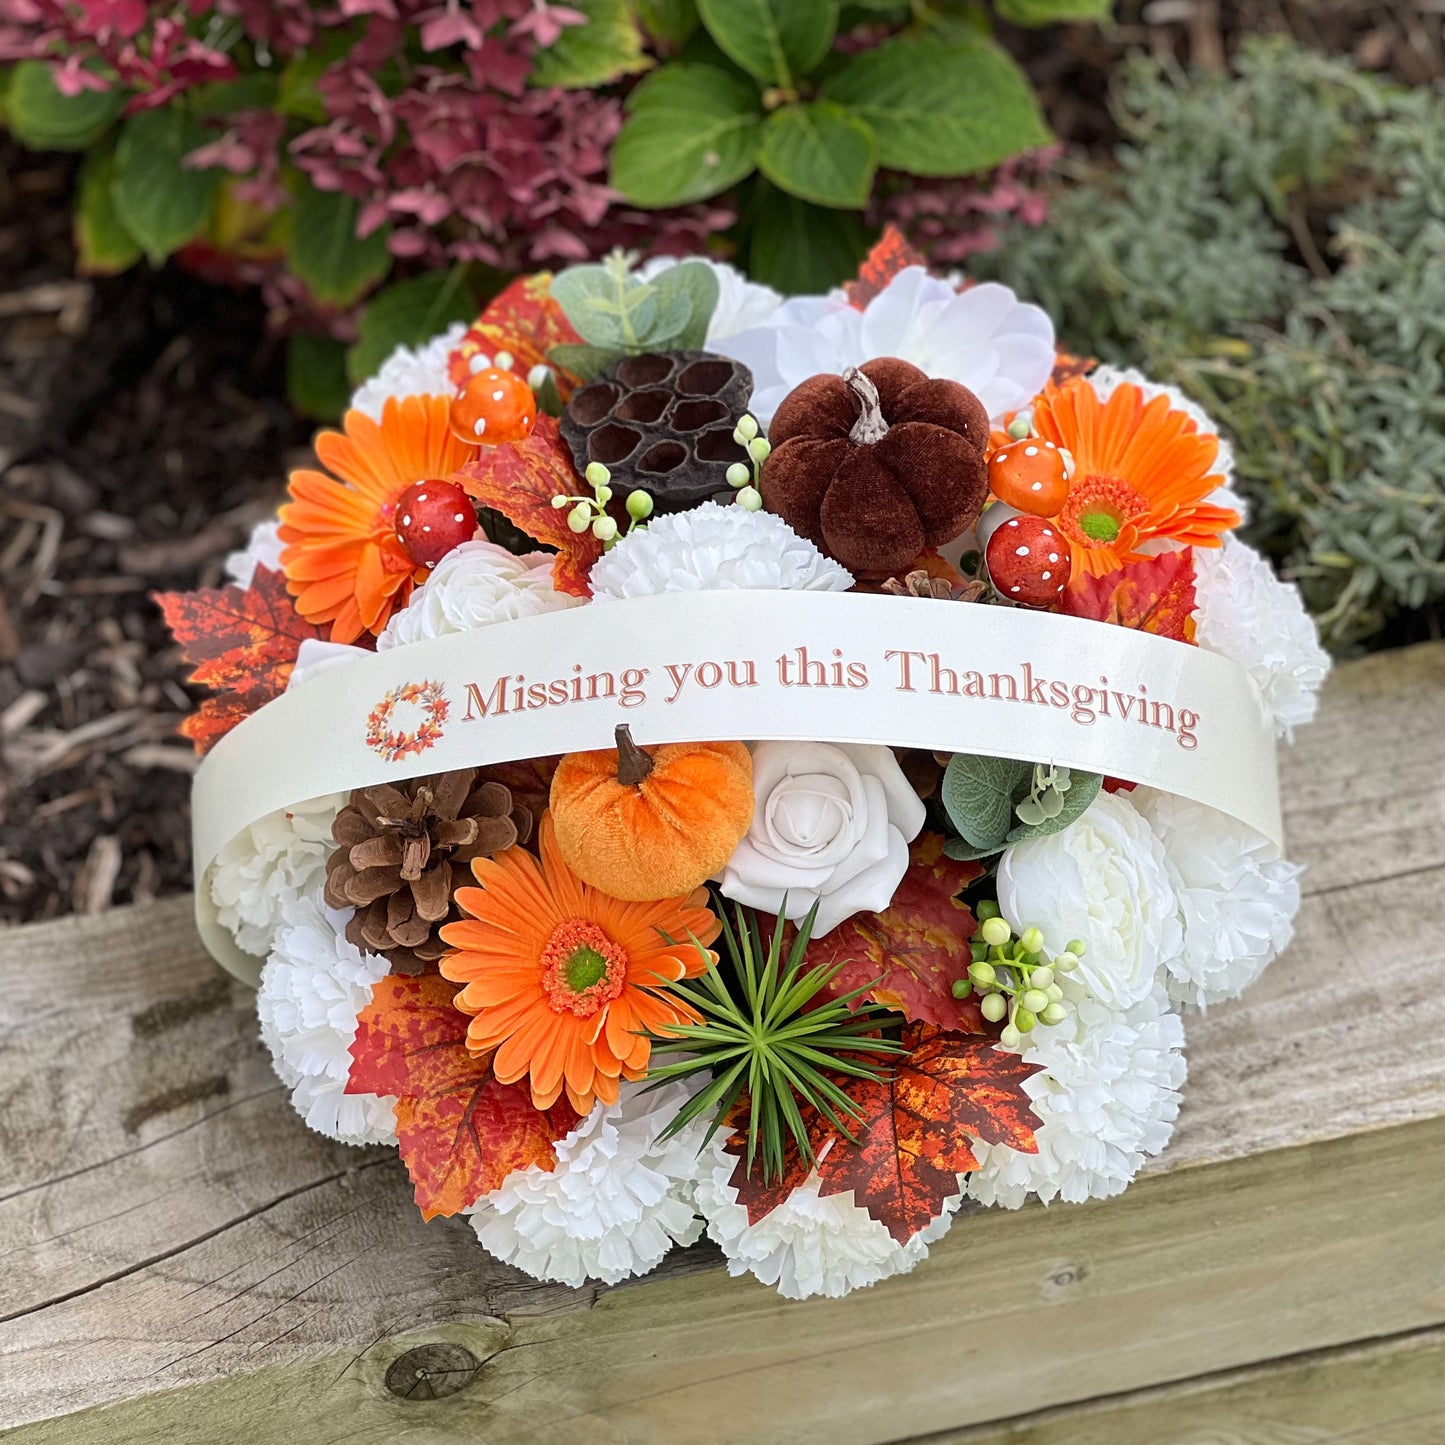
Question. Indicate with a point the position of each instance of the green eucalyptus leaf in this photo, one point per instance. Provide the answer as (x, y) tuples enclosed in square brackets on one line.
[(408, 314), (605, 49), (964, 851), (337, 265), (820, 152), (1082, 792), (979, 794), (671, 21), (946, 108), (45, 120), (776, 41), (160, 200), (580, 359), (695, 285), (1049, 12), (693, 131), (101, 239)]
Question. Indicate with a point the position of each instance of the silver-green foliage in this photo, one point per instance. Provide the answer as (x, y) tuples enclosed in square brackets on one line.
[(1195, 260)]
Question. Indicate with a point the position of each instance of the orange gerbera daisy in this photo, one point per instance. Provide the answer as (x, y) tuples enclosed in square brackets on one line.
[(1142, 473), (343, 562), (564, 979)]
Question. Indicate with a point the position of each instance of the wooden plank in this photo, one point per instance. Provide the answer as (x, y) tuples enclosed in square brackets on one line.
[(1388, 1392), (1196, 1271), (157, 1194)]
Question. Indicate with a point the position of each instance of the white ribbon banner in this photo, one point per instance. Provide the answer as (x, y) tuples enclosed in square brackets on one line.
[(693, 667)]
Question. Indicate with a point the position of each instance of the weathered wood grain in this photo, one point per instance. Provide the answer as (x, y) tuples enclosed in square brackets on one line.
[(165, 1219)]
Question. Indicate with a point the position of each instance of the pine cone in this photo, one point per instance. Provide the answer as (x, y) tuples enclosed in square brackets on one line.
[(662, 422), (404, 849)]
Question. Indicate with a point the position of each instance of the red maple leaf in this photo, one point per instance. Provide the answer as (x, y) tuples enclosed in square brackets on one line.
[(519, 480), (524, 320), (917, 948), (889, 256), (242, 644), (913, 1136), (1155, 595), (460, 1131)]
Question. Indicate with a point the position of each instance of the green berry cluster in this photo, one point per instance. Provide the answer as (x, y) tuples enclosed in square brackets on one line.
[(1013, 978), (590, 513), (743, 476)]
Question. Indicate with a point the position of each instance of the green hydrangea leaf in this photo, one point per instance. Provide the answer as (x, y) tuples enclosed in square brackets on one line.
[(104, 245), (160, 200), (941, 108), (820, 152), (316, 380), (408, 314), (802, 249), (337, 265), (693, 131), (776, 41), (671, 21), (45, 120), (1050, 12), (605, 49), (979, 793)]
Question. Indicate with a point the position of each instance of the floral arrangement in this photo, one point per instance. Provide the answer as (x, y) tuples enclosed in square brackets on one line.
[(806, 997)]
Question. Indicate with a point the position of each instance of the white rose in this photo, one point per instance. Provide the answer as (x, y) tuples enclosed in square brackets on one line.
[(1103, 879), (475, 585), (831, 825)]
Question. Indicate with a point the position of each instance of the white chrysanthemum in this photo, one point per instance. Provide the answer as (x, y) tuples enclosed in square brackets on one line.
[(985, 337), (1108, 1098), (263, 871), (810, 1244), (1239, 897), (1103, 879), (411, 371), (740, 303), (1107, 379), (473, 586), (313, 987), (714, 548), (1244, 612), (616, 1202), (262, 549)]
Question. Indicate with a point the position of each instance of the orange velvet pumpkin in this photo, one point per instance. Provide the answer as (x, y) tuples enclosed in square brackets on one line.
[(649, 823)]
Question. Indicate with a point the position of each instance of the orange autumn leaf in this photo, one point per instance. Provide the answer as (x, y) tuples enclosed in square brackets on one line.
[(1155, 595), (916, 949), (524, 320), (890, 255), (242, 643), (519, 480), (1067, 366), (913, 1136), (915, 1132), (460, 1132)]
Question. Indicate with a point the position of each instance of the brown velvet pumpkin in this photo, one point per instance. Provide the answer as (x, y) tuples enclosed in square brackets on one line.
[(649, 823), (877, 464)]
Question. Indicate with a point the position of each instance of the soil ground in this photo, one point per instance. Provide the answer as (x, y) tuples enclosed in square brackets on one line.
[(144, 428)]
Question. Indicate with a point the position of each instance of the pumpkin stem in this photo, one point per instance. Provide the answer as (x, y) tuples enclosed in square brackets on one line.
[(633, 765), (870, 426)]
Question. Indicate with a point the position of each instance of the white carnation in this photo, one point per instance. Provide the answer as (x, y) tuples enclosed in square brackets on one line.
[(1108, 1097), (262, 549), (712, 548), (1239, 897), (264, 870), (1244, 612), (313, 987), (985, 338), (475, 585), (740, 303), (1103, 879), (616, 1202), (810, 1244), (411, 371), (1107, 380)]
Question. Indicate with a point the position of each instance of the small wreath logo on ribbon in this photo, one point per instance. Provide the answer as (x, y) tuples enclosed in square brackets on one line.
[(394, 744)]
